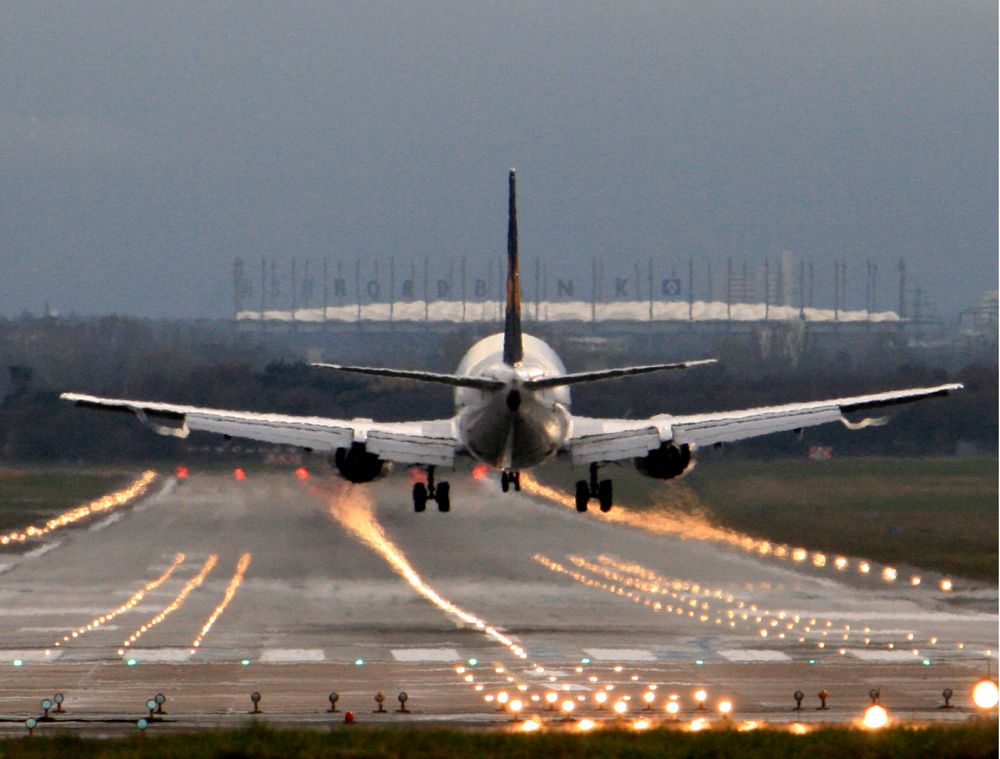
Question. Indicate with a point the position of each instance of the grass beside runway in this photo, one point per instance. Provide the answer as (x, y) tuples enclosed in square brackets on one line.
[(31, 496), (935, 513), (970, 741)]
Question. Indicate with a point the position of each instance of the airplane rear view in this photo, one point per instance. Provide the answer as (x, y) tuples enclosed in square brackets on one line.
[(512, 412)]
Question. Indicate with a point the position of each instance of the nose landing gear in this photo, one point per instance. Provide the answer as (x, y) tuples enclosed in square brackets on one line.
[(440, 493), (508, 479), (599, 490)]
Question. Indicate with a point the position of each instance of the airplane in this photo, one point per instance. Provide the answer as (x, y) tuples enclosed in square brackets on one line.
[(512, 412)]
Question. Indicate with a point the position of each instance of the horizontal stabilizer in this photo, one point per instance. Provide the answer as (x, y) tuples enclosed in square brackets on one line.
[(455, 380), (604, 374)]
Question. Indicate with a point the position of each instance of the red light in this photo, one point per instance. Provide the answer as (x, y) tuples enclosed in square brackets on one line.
[(181, 472), (239, 474), (302, 473), (480, 471), (417, 475)]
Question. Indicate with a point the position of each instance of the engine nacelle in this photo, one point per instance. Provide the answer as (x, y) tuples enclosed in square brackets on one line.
[(356, 464), (666, 462)]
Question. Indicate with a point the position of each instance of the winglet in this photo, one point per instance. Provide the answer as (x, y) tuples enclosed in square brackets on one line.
[(513, 351)]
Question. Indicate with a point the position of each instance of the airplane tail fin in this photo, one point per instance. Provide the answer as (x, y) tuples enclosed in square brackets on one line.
[(513, 350)]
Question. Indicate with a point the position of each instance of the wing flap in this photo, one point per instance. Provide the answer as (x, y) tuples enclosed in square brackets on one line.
[(612, 446), (412, 449)]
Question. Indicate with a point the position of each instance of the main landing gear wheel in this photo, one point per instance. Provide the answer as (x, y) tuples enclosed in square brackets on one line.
[(510, 478), (601, 491), (419, 497), (443, 497), (440, 493)]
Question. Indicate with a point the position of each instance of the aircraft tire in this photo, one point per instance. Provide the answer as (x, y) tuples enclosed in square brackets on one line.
[(419, 497), (504, 482), (443, 497), (605, 495), (582, 495)]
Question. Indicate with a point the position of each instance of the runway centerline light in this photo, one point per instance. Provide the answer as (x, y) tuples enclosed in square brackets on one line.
[(984, 694)]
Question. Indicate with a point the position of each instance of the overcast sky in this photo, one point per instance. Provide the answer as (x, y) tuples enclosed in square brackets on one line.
[(145, 145)]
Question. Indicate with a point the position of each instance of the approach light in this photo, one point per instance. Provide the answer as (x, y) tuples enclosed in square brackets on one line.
[(648, 697), (515, 706), (698, 724), (568, 706), (725, 707), (640, 724), (984, 694), (673, 708), (530, 726), (586, 725), (550, 698), (502, 698), (620, 708), (875, 717), (601, 698), (701, 696)]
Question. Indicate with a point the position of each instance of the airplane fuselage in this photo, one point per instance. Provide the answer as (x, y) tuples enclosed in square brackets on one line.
[(514, 427)]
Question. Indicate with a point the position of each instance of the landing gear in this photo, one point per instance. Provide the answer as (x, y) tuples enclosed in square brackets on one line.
[(601, 491), (508, 479), (440, 493)]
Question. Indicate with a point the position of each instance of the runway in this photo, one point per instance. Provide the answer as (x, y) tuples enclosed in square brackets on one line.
[(212, 588)]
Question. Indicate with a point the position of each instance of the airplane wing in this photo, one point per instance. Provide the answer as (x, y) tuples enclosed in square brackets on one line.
[(598, 440), (423, 442)]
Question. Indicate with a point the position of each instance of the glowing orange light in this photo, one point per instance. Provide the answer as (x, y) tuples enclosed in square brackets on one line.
[(725, 707), (181, 473), (239, 473), (585, 725), (568, 706), (530, 726), (170, 608), (479, 472), (302, 473), (108, 502), (234, 584), (698, 724), (875, 717), (134, 599), (620, 707), (354, 511), (673, 708), (985, 695), (797, 728)]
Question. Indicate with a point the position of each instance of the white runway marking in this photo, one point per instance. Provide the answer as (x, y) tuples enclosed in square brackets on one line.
[(41, 550), (51, 612), (107, 522), (158, 654), (752, 655), (292, 655), (425, 654), (28, 655), (58, 628), (884, 656), (620, 654)]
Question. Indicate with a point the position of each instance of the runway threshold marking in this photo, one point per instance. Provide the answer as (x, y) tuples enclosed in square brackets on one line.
[(134, 599), (28, 655), (747, 655), (174, 605), (425, 654), (620, 654), (292, 655)]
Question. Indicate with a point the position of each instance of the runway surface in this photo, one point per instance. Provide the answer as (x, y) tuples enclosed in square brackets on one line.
[(212, 588)]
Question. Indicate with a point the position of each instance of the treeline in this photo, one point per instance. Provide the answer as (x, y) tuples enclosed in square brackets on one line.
[(212, 365)]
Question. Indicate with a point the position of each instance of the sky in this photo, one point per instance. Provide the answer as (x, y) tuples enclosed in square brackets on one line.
[(145, 146)]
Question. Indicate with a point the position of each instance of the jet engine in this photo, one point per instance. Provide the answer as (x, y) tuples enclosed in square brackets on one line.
[(356, 464), (666, 462)]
